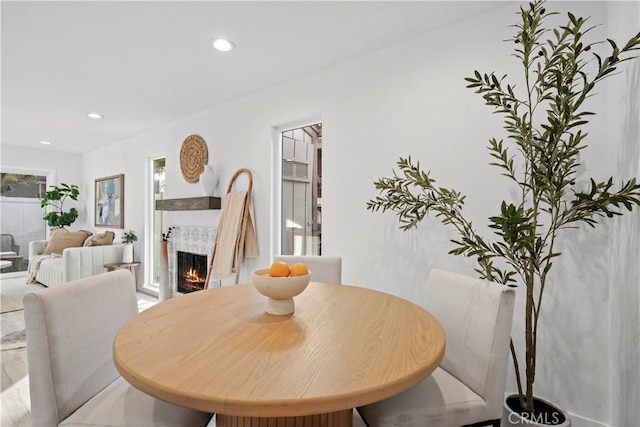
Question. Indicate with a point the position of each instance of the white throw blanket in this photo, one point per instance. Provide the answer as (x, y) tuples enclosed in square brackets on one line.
[(34, 266)]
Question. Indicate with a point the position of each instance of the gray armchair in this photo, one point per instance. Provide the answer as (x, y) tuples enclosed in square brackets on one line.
[(8, 244), (10, 253)]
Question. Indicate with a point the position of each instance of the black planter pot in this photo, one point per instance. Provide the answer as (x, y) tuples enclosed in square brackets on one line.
[(545, 414)]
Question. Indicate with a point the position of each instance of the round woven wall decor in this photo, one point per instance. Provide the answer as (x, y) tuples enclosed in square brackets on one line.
[(193, 156)]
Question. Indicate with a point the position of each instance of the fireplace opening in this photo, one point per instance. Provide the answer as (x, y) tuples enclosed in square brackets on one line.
[(192, 272)]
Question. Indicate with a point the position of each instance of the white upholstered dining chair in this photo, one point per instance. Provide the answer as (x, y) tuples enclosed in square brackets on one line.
[(72, 378), (323, 268), (468, 387)]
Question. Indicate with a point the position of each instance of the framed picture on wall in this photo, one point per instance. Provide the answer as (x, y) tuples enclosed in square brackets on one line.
[(109, 202)]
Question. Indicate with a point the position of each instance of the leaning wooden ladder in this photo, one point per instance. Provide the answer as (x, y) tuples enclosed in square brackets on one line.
[(240, 232)]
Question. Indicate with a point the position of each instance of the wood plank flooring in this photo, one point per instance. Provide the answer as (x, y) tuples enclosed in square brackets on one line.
[(14, 379)]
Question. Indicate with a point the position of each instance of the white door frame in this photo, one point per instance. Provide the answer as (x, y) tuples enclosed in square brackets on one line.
[(149, 212)]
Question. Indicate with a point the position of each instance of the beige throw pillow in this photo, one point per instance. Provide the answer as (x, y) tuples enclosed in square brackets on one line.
[(62, 238), (100, 239)]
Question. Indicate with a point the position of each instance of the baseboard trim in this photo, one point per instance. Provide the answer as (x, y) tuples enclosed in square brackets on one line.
[(580, 421)]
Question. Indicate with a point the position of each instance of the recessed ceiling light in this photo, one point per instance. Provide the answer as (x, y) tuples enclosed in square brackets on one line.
[(45, 143), (223, 45), (95, 115)]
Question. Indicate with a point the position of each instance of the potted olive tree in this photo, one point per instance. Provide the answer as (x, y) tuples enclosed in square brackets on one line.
[(543, 122), (54, 199)]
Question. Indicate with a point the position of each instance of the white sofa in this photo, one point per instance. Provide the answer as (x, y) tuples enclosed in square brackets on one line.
[(75, 263)]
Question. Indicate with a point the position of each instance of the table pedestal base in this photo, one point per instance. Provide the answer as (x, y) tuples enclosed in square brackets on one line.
[(331, 419)]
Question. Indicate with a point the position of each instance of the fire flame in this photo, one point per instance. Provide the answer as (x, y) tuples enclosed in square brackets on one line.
[(191, 276)]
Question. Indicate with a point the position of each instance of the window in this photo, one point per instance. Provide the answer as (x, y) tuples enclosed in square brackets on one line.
[(156, 223), (20, 194), (300, 215)]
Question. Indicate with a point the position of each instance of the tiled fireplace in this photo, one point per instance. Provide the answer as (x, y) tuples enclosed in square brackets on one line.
[(189, 254)]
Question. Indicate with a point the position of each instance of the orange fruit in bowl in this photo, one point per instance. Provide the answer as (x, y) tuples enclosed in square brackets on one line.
[(279, 269), (299, 269)]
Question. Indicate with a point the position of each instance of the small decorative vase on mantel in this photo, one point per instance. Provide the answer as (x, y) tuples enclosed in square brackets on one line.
[(209, 181), (127, 253)]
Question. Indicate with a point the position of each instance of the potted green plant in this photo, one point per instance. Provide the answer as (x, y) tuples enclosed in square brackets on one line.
[(54, 200), (543, 120), (128, 238)]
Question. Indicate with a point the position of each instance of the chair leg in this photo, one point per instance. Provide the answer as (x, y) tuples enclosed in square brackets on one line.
[(361, 417), (492, 423)]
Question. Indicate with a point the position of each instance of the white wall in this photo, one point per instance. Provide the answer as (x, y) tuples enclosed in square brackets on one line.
[(406, 100), (624, 250)]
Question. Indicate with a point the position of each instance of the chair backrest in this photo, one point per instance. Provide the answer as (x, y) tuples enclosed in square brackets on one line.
[(326, 269), (476, 316), (70, 333), (8, 243)]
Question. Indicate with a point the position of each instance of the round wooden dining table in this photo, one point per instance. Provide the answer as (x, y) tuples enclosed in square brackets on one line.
[(216, 350)]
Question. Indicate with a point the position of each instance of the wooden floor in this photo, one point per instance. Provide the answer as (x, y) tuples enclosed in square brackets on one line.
[(16, 406), (14, 380)]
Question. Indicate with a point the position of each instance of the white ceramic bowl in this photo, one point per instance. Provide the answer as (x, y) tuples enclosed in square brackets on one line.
[(279, 290)]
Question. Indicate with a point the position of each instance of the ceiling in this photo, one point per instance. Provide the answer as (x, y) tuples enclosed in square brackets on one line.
[(144, 64)]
